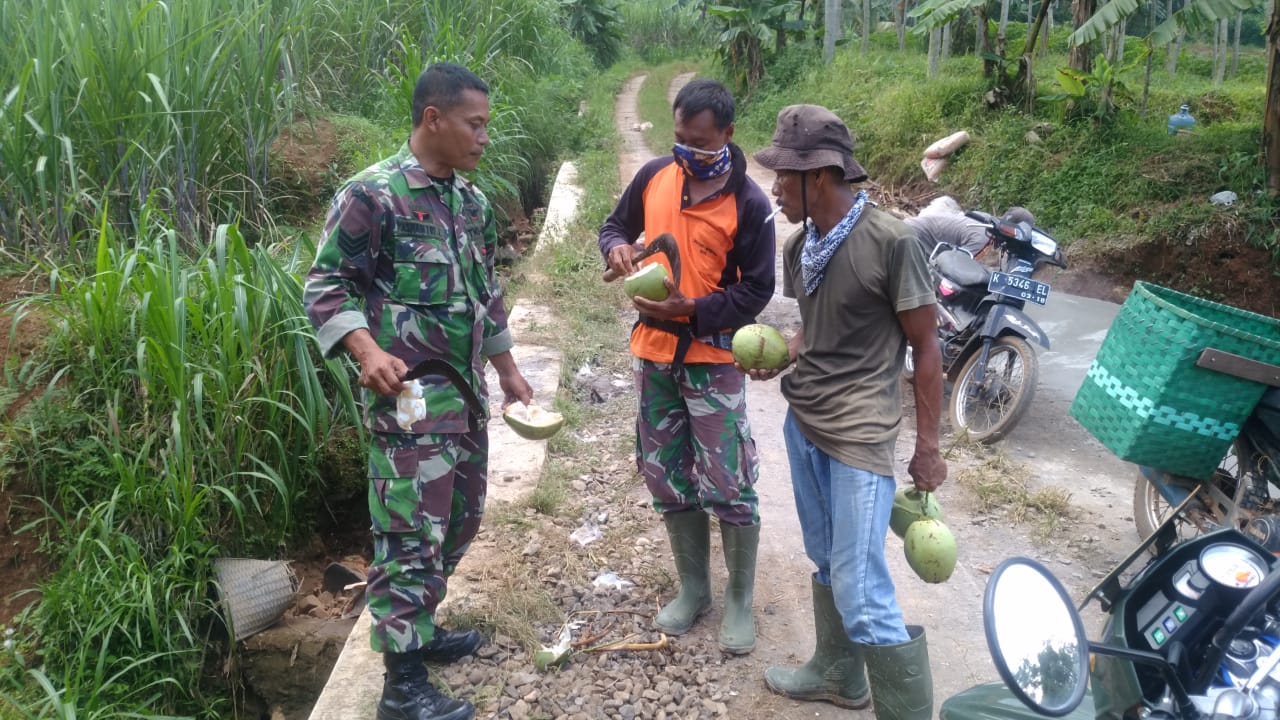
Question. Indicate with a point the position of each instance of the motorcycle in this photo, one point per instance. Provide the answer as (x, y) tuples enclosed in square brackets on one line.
[(1244, 491), (984, 333), (1195, 633)]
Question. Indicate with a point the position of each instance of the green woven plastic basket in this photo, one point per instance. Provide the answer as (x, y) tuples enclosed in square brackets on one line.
[(1145, 399)]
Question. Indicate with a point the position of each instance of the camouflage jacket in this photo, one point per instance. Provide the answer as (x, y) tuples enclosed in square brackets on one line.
[(412, 261)]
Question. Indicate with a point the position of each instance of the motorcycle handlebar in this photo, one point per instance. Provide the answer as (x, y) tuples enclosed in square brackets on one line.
[(980, 216)]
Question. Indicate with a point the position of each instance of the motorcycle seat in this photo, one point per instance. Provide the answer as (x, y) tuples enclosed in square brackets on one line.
[(959, 267), (1268, 411)]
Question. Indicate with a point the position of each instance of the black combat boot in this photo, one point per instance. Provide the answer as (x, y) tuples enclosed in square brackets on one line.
[(407, 693), (447, 646)]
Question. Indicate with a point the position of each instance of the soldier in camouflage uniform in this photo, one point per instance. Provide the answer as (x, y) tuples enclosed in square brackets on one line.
[(693, 442), (405, 273)]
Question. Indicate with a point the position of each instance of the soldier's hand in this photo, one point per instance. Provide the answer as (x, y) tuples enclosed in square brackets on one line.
[(381, 371), (514, 388)]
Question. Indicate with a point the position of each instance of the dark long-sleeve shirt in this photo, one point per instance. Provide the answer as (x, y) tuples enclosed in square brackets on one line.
[(726, 251)]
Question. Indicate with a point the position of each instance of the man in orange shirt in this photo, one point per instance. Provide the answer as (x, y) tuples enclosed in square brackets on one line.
[(693, 441)]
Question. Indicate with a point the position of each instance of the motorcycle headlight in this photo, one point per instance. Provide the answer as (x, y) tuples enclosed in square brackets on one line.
[(1043, 243)]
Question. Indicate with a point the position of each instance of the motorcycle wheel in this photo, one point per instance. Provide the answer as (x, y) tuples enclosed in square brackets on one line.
[(909, 365), (1204, 514), (989, 413)]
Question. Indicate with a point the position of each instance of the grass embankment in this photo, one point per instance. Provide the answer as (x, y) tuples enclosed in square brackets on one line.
[(1107, 185), (184, 414)]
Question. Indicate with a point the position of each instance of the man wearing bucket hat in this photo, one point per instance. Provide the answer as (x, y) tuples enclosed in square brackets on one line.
[(860, 278)]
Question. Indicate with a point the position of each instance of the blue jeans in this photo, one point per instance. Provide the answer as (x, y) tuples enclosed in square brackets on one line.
[(844, 516)]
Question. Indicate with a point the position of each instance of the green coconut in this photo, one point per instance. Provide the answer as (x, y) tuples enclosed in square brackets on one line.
[(647, 282), (931, 550), (760, 347), (531, 422), (910, 505)]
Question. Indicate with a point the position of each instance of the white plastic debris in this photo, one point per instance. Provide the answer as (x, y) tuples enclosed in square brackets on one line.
[(1226, 197), (586, 534), (933, 168), (612, 581), (556, 654), (410, 405), (947, 145)]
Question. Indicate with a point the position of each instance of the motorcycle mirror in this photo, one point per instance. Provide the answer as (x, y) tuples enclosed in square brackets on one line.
[(1036, 637)]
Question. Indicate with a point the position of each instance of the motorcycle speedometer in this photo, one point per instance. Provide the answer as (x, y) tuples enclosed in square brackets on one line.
[(1232, 566)]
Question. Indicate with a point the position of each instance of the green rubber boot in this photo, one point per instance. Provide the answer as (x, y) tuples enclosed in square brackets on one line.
[(738, 625), (690, 534), (901, 682), (836, 673)]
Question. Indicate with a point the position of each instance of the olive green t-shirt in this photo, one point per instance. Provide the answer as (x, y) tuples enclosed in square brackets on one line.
[(845, 391)]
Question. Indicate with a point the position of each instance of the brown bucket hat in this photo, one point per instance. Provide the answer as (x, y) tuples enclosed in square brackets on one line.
[(808, 137)]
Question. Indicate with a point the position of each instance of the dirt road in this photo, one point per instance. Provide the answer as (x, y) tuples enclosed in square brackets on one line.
[(1056, 450)]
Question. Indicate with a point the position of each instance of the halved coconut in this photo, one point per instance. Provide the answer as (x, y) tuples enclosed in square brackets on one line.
[(531, 422), (647, 282)]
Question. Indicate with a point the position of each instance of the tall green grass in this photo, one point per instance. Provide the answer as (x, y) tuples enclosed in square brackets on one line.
[(120, 104), (660, 31), (187, 414), (112, 105)]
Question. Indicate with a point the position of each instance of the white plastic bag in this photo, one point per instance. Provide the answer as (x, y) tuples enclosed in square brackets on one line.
[(410, 405)]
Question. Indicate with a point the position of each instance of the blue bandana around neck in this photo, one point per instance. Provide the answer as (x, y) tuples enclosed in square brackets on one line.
[(817, 252), (700, 165)]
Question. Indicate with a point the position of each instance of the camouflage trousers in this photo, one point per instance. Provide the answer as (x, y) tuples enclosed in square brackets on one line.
[(426, 498), (693, 441)]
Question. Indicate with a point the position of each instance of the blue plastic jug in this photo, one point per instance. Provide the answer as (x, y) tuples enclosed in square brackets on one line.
[(1181, 120)]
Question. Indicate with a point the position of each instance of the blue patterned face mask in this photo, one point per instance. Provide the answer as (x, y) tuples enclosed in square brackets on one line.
[(702, 164)]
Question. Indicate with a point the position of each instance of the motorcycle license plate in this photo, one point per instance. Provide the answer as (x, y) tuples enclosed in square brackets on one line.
[(1018, 287)]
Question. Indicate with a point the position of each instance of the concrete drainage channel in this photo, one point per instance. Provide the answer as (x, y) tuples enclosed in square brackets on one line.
[(324, 669)]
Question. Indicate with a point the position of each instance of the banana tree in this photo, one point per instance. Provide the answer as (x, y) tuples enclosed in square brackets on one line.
[(1095, 93), (1081, 53), (598, 24), (1194, 15), (745, 28), (832, 25), (934, 15)]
